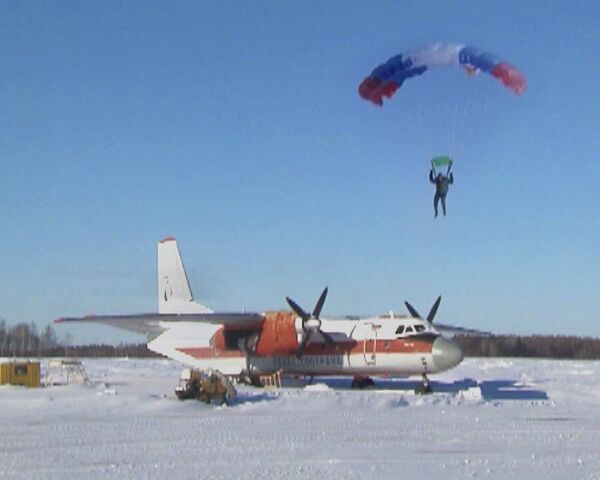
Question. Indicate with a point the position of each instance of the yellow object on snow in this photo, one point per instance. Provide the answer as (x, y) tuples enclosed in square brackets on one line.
[(20, 373)]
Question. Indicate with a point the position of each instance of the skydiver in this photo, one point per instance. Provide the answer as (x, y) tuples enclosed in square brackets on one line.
[(441, 190)]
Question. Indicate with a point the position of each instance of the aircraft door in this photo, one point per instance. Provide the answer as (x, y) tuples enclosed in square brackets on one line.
[(370, 344)]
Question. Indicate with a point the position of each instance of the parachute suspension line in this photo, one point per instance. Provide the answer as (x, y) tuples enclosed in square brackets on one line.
[(425, 132), (487, 104), (454, 131), (463, 110), (476, 104), (423, 135)]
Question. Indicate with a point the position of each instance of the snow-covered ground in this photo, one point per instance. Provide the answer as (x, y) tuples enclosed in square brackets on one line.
[(490, 418)]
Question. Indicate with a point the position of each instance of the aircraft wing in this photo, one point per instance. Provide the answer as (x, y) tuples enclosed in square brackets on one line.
[(150, 324), (452, 330)]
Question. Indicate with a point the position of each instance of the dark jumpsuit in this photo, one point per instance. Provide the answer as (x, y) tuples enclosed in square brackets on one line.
[(441, 189)]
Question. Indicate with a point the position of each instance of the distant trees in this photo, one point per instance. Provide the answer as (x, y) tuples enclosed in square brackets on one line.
[(3, 337), (19, 340), (48, 339), (134, 350), (23, 340), (548, 346)]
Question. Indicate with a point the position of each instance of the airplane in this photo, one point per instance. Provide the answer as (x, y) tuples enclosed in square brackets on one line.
[(248, 345)]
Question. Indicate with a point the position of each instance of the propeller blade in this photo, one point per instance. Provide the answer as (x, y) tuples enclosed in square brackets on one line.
[(320, 302), (328, 340), (434, 310), (411, 310), (314, 323), (297, 309), (303, 343)]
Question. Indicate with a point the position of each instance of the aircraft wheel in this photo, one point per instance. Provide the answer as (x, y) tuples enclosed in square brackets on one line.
[(361, 383)]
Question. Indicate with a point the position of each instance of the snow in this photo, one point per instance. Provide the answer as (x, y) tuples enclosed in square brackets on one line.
[(489, 418)]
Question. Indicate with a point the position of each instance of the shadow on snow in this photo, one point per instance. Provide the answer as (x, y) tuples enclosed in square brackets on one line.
[(497, 389)]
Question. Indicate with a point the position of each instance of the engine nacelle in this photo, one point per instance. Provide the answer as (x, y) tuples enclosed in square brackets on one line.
[(279, 336)]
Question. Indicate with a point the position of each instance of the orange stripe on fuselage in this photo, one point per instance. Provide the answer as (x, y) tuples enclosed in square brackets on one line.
[(416, 344), (208, 352)]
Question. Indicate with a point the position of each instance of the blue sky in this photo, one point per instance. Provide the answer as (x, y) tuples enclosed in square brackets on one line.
[(237, 128)]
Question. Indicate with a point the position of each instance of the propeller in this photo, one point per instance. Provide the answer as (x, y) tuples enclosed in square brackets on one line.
[(431, 314), (311, 323)]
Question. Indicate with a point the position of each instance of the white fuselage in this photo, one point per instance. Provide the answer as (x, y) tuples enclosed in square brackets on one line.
[(399, 346)]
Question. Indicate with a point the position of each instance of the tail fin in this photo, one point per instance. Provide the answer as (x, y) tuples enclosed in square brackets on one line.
[(174, 293)]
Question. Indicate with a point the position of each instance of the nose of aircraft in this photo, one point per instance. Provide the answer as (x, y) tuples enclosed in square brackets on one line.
[(446, 353)]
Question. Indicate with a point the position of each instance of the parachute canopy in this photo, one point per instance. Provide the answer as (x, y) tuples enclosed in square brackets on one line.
[(439, 163), (389, 76)]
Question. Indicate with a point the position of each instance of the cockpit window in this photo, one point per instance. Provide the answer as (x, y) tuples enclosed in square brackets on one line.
[(410, 329)]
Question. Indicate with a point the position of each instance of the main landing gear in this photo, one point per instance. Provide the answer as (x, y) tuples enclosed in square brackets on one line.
[(360, 383), (246, 378), (425, 387)]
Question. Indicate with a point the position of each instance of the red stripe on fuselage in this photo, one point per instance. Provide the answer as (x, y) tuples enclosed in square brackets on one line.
[(208, 352), (417, 344)]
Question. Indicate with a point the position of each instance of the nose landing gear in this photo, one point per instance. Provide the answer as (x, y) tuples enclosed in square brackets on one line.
[(360, 382), (425, 387)]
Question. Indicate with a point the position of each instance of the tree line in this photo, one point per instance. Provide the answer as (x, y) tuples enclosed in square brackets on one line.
[(539, 346), (24, 340)]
